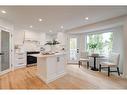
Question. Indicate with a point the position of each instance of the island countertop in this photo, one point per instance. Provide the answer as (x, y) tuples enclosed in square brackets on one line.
[(48, 55)]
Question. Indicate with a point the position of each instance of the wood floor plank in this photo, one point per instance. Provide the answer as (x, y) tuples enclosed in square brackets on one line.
[(76, 78)]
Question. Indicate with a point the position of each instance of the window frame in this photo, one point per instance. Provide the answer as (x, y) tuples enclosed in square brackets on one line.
[(98, 32)]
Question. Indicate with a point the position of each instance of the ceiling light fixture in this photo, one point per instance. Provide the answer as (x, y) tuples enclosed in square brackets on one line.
[(40, 19), (31, 26), (4, 12), (61, 27), (86, 18), (50, 31)]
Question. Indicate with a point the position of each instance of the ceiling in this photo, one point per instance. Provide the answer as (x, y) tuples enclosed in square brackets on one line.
[(53, 17)]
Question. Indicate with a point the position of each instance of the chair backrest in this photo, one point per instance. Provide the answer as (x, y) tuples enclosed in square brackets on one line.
[(84, 55), (114, 58)]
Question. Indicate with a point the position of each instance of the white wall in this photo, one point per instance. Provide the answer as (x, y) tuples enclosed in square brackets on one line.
[(118, 45), (6, 25), (125, 46)]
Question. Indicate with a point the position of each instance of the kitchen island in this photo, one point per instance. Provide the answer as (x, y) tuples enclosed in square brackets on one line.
[(51, 66)]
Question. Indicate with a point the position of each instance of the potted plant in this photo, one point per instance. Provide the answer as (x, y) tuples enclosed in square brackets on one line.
[(52, 44), (93, 46)]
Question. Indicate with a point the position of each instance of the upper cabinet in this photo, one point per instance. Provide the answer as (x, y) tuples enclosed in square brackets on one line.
[(61, 37), (18, 37), (42, 38), (32, 36)]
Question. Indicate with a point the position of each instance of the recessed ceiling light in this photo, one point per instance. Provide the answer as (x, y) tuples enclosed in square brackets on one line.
[(40, 19), (50, 30), (31, 26), (4, 12), (61, 27), (86, 18)]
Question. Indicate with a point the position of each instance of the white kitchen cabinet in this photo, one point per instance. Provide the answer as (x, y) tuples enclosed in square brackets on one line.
[(60, 64), (32, 36), (19, 37), (42, 39), (51, 67), (61, 37), (20, 60)]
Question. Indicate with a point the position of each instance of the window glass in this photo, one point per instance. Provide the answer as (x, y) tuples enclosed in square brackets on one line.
[(100, 43)]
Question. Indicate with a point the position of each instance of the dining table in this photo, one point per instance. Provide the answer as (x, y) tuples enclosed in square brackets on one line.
[(94, 68)]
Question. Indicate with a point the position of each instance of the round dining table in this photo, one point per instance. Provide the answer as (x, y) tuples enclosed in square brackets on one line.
[(94, 68)]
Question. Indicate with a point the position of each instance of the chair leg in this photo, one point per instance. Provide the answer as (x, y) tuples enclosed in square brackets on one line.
[(118, 71), (87, 65), (100, 68), (108, 71)]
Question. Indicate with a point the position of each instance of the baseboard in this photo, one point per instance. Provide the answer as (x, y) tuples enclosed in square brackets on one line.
[(18, 67), (51, 79), (4, 72), (56, 77)]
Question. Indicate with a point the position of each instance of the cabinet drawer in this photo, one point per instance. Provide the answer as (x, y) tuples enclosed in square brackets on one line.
[(20, 60), (22, 55), (22, 63)]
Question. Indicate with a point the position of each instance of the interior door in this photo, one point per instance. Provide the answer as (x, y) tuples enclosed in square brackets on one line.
[(73, 49), (4, 51)]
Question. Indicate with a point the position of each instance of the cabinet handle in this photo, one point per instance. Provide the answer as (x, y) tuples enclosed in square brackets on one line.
[(20, 63), (20, 54), (58, 59), (20, 58), (77, 50)]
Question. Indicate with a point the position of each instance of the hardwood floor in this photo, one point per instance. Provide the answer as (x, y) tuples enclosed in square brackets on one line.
[(76, 78)]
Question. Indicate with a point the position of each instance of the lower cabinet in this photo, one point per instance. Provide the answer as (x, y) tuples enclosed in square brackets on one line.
[(56, 67), (20, 60), (60, 64), (51, 68)]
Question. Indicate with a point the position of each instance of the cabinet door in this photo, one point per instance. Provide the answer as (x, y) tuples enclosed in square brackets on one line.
[(20, 60), (51, 65), (61, 64)]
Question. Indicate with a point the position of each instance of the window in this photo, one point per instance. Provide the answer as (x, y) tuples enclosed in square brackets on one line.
[(100, 43)]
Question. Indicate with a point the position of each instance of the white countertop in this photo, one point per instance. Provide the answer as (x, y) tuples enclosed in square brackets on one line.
[(48, 55)]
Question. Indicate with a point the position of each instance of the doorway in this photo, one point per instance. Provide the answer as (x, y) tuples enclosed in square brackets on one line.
[(73, 48), (5, 57)]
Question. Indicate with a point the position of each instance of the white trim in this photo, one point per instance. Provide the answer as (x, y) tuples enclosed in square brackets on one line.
[(98, 29), (51, 79), (68, 48), (10, 52), (104, 30), (18, 67), (106, 24), (4, 72)]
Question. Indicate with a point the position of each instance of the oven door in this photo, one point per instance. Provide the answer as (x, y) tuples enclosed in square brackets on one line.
[(31, 59)]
